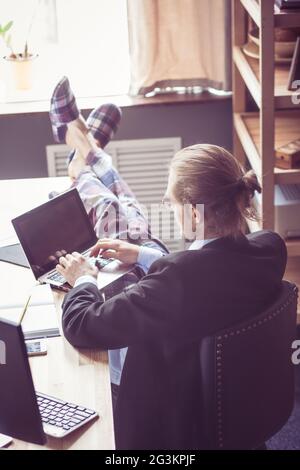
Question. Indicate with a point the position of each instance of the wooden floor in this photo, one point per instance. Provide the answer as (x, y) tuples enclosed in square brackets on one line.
[(293, 274)]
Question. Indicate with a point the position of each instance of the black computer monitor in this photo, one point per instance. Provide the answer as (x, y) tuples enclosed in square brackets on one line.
[(19, 413), (60, 224)]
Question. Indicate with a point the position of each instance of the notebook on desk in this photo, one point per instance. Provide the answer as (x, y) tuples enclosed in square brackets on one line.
[(41, 319)]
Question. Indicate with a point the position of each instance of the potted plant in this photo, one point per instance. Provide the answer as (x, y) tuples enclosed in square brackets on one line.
[(21, 63)]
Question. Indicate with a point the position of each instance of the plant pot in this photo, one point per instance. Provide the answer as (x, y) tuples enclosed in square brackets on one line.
[(22, 71)]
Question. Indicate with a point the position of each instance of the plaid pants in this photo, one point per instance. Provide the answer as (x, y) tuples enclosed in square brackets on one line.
[(111, 205)]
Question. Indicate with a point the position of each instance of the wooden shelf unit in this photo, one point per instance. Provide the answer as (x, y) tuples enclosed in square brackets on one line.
[(256, 135), (282, 19), (287, 127), (249, 70)]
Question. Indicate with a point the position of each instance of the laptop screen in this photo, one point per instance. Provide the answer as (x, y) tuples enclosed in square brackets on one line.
[(58, 226)]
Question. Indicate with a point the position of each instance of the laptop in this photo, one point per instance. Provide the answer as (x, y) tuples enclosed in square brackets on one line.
[(25, 414), (55, 228)]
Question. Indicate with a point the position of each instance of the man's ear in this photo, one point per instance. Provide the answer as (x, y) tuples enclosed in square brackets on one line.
[(196, 215)]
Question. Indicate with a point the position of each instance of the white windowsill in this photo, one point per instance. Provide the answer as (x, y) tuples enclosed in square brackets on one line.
[(124, 101)]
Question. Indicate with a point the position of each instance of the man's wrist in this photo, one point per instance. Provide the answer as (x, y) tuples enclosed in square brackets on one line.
[(86, 278), (147, 256)]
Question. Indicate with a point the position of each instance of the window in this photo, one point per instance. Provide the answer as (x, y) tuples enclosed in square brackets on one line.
[(85, 40)]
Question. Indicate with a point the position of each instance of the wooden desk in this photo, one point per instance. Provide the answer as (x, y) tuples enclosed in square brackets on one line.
[(77, 376)]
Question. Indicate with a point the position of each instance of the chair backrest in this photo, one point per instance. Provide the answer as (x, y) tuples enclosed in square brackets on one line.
[(248, 376)]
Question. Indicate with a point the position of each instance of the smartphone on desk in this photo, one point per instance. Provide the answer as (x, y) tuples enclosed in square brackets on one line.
[(36, 347)]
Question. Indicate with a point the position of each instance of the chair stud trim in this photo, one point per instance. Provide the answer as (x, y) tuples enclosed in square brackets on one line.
[(219, 345)]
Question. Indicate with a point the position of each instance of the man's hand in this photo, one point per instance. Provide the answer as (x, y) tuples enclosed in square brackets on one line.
[(73, 266), (117, 249)]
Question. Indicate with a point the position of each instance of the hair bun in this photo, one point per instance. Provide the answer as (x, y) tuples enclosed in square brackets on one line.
[(251, 183)]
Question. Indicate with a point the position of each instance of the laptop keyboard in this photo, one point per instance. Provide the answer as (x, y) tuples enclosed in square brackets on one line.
[(59, 417), (57, 278), (100, 263)]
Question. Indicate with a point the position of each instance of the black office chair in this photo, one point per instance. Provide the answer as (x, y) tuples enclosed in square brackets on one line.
[(248, 377)]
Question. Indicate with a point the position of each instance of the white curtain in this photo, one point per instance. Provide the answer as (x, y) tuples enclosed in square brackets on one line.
[(179, 43)]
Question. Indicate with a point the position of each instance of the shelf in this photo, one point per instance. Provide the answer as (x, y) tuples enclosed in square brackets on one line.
[(287, 128), (253, 9), (247, 142), (293, 247), (248, 73), (254, 132), (286, 19), (249, 70), (282, 19)]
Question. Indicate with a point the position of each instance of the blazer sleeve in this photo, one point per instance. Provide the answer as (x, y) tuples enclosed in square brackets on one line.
[(149, 309)]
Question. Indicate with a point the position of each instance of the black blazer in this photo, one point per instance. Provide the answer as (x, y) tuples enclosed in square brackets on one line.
[(184, 297)]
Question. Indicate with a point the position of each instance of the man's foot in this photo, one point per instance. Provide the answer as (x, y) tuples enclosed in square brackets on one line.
[(69, 126), (78, 137), (63, 109), (76, 166), (103, 122)]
